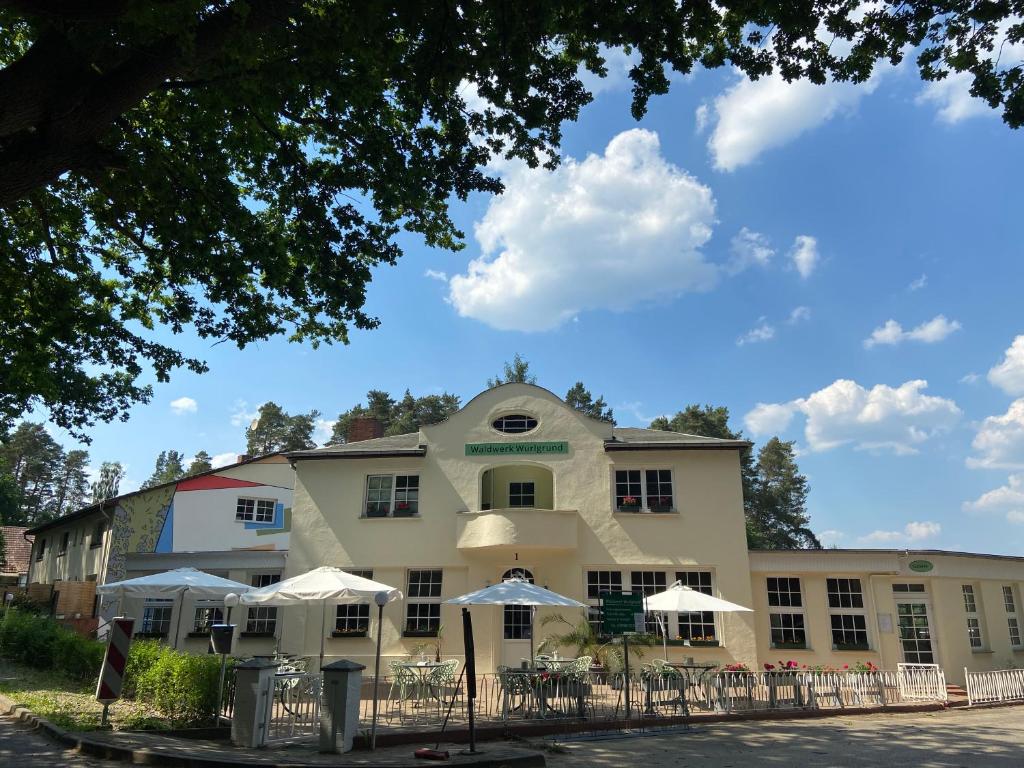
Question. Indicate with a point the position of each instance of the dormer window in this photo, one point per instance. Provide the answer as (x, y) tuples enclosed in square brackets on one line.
[(514, 424)]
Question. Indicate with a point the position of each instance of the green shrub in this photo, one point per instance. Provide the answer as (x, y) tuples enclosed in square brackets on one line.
[(142, 655), (182, 686), (42, 643)]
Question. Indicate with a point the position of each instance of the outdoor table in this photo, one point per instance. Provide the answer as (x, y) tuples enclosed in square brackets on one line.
[(423, 670), (693, 674)]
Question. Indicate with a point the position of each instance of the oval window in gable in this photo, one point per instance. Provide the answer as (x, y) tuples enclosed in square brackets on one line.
[(514, 424)]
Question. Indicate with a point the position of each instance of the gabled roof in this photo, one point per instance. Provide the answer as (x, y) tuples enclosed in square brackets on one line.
[(111, 503), (637, 439), (377, 447), (17, 552)]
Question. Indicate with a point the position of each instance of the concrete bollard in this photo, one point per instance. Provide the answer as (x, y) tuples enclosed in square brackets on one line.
[(254, 692), (339, 707)]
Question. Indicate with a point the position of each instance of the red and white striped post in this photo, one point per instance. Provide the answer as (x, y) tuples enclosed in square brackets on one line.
[(108, 689)]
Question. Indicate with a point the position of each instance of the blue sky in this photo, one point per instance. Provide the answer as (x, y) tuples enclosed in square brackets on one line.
[(745, 245)]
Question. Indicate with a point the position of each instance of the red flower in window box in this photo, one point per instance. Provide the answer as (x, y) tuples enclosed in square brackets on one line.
[(630, 501), (402, 506)]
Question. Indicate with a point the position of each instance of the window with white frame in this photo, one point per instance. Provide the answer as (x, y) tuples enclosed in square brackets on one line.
[(973, 620), (392, 495), (599, 583), (262, 619), (846, 614), (521, 494), (514, 424), (697, 625), (423, 603), (786, 617), (156, 616), (1012, 621), (208, 613), (353, 618), (255, 510), (648, 583), (637, 489)]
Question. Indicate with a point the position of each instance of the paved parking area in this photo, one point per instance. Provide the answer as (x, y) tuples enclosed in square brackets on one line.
[(961, 738)]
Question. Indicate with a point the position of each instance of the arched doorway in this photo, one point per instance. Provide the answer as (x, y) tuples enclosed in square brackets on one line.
[(517, 623)]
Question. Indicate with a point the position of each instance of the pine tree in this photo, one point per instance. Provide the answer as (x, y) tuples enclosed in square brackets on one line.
[(780, 493), (579, 397), (516, 371), (169, 467), (397, 417), (202, 462), (277, 430)]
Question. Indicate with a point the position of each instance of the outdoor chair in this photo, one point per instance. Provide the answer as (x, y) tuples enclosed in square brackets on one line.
[(516, 692), (442, 684), (406, 684)]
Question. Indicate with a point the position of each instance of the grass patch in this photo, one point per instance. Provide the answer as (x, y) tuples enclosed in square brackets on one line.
[(69, 702)]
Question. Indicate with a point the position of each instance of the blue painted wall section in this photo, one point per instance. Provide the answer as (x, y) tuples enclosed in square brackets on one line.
[(165, 543), (277, 523)]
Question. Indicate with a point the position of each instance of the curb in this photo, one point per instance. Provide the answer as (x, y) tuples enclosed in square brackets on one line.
[(174, 759)]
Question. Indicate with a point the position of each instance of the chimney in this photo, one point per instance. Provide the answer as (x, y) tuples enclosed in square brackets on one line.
[(364, 428), (243, 457)]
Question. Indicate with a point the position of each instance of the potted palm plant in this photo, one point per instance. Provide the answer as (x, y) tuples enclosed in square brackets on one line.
[(607, 652)]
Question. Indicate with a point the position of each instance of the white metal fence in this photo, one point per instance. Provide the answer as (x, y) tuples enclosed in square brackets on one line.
[(921, 682), (994, 687), (293, 708)]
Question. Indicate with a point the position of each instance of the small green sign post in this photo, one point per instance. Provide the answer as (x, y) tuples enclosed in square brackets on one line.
[(622, 613)]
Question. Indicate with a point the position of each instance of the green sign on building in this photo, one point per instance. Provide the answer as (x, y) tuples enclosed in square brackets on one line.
[(622, 612), (516, 449), (920, 566)]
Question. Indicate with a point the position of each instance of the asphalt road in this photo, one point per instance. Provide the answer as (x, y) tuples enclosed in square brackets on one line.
[(960, 738), (21, 747)]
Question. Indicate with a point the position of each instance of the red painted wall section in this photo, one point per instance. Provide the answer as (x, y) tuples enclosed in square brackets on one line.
[(213, 482)]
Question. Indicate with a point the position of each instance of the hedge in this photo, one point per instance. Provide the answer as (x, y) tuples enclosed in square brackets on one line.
[(181, 686), (42, 643)]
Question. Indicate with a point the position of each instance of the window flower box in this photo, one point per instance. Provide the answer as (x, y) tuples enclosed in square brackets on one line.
[(851, 647), (404, 509), (790, 646), (701, 643), (419, 633), (256, 634), (660, 504), (629, 504), (349, 633)]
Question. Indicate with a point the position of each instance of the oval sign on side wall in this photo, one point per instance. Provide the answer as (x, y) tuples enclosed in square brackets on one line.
[(920, 566)]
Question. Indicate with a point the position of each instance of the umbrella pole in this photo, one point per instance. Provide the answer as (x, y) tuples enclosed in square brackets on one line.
[(376, 676), (323, 630), (181, 610), (533, 659)]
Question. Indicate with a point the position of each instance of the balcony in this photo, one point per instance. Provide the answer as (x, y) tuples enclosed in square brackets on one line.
[(521, 530)]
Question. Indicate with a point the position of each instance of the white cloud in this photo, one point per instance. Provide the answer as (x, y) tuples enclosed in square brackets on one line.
[(702, 116), (952, 96), (608, 232), (769, 418), (749, 249), (761, 332), (804, 255), (223, 459), (829, 538), (999, 440), (435, 274), (756, 115), (241, 416), (1007, 500), (892, 333), (323, 430), (184, 405), (1009, 374), (969, 378), (799, 315), (912, 532), (916, 285), (882, 418)]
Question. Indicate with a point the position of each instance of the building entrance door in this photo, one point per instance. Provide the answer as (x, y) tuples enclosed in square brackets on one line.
[(517, 624), (915, 632)]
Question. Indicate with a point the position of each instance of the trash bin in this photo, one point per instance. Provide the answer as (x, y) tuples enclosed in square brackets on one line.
[(220, 637)]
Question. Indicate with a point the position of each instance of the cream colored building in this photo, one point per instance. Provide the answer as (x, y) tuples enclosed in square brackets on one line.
[(518, 482)]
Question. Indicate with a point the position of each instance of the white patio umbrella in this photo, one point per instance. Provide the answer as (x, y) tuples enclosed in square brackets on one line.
[(679, 598), (517, 591), (324, 585), (171, 584)]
